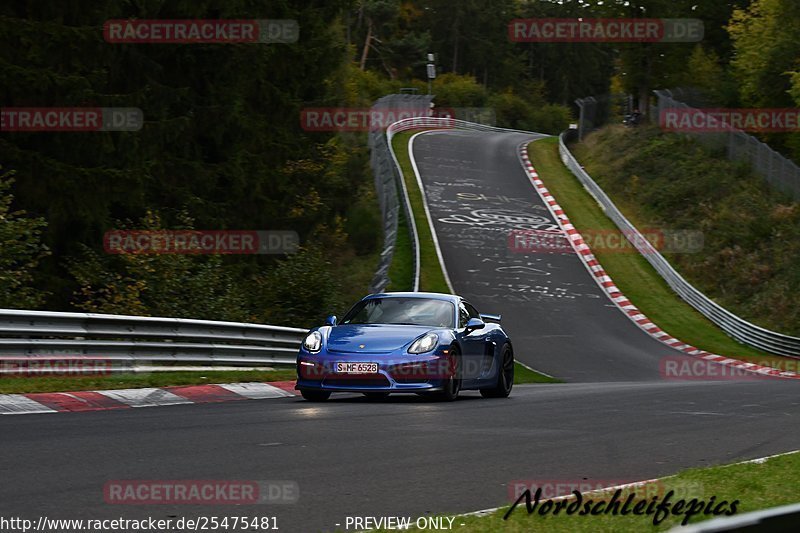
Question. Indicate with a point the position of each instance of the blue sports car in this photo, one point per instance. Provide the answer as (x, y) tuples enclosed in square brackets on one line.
[(428, 343)]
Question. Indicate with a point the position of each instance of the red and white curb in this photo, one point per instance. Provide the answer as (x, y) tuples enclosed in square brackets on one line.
[(60, 402), (615, 295)]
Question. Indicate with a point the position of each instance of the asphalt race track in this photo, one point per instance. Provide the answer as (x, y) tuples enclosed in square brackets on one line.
[(558, 318), (616, 419)]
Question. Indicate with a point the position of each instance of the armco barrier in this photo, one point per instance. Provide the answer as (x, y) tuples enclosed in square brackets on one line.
[(738, 328), (386, 173), (45, 334), (774, 520)]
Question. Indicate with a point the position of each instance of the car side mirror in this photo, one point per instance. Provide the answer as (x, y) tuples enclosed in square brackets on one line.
[(330, 321), (473, 324)]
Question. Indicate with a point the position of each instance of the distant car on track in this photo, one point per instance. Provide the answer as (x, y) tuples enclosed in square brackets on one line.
[(427, 343)]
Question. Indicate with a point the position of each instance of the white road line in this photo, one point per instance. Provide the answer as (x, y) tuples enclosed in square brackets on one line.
[(427, 210)]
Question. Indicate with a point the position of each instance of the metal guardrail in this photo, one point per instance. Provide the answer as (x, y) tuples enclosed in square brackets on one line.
[(446, 123), (738, 328), (386, 173), (46, 334)]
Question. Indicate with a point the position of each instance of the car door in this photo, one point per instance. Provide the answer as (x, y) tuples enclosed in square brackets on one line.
[(488, 345), (473, 344)]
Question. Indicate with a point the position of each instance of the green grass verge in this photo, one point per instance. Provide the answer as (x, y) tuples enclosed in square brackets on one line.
[(431, 278), (634, 276), (15, 384), (401, 271), (523, 374), (747, 261), (756, 486)]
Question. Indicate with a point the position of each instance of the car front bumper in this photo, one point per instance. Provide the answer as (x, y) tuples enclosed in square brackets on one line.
[(396, 372)]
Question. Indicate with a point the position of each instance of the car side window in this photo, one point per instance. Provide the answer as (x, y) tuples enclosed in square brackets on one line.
[(463, 315), (473, 313)]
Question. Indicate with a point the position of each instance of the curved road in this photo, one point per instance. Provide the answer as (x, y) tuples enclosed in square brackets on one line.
[(617, 420), (560, 321)]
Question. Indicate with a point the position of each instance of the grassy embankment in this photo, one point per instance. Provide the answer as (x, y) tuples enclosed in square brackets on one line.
[(630, 271), (771, 483)]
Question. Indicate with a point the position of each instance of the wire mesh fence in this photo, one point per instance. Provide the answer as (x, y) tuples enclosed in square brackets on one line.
[(780, 172)]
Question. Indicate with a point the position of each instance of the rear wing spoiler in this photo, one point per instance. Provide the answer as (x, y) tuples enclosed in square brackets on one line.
[(493, 318)]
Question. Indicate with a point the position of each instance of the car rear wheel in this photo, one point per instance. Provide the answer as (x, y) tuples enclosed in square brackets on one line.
[(376, 395), (452, 386), (315, 395), (505, 377)]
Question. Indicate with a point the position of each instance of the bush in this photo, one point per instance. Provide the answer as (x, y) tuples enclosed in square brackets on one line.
[(364, 226), (299, 291), (551, 118), (171, 285), (516, 112), (453, 90)]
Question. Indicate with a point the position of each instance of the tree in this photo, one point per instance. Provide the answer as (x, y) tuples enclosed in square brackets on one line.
[(647, 66), (172, 285), (766, 39), (221, 121), (20, 251), (705, 72)]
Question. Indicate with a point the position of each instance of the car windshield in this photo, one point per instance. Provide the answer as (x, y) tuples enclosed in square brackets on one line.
[(408, 311)]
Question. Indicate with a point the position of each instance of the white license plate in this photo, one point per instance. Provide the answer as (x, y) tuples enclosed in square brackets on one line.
[(357, 368)]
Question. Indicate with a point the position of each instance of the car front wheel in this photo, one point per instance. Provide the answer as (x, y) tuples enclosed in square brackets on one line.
[(452, 386), (315, 395)]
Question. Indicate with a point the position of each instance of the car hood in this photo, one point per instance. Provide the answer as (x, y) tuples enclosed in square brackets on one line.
[(375, 338)]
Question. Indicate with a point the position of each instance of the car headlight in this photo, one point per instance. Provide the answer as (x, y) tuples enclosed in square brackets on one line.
[(313, 341), (426, 343)]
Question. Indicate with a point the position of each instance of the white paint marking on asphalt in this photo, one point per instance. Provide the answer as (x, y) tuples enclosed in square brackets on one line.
[(421, 186), (147, 397), (256, 391), (17, 404), (761, 460)]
